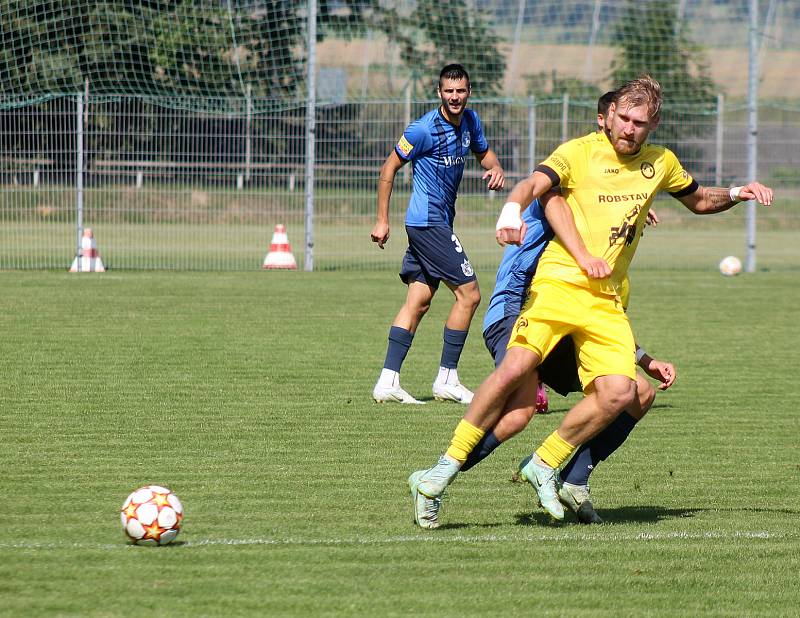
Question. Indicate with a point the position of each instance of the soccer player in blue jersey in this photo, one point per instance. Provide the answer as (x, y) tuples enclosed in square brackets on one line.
[(438, 145)]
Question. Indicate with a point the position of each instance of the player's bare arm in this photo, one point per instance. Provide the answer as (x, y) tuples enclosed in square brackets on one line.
[(495, 176), (559, 216), (509, 229), (659, 370), (710, 200), (380, 232)]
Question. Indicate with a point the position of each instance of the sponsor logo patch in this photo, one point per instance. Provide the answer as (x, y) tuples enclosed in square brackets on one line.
[(466, 268), (405, 146), (465, 139), (648, 171)]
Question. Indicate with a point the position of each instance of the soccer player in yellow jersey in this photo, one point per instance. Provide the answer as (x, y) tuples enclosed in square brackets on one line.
[(609, 181)]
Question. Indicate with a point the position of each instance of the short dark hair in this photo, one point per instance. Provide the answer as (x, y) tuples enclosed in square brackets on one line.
[(453, 71), (604, 102)]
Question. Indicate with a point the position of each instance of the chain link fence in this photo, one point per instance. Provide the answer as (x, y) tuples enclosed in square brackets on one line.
[(175, 188)]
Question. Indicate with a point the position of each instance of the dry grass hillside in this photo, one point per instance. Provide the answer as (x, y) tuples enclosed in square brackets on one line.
[(729, 67)]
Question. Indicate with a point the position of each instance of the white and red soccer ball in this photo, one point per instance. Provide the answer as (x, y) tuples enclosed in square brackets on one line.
[(730, 266), (152, 515)]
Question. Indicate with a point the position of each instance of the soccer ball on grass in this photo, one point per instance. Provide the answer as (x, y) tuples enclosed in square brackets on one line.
[(730, 266), (152, 516)]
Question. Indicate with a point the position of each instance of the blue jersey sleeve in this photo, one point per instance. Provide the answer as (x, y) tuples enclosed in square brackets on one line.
[(478, 143), (415, 142)]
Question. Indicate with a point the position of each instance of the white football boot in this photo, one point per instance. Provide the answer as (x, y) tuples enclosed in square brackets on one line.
[(447, 387), (543, 479), (577, 499), (388, 389)]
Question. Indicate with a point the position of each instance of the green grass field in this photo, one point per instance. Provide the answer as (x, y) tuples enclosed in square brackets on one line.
[(248, 394)]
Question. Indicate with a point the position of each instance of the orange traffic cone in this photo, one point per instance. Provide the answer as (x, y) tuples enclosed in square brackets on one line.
[(280, 251), (88, 261)]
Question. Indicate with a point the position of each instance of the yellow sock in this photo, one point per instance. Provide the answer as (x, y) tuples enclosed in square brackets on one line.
[(464, 440), (555, 450)]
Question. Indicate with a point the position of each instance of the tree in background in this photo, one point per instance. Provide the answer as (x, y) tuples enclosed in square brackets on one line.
[(437, 33), (652, 40)]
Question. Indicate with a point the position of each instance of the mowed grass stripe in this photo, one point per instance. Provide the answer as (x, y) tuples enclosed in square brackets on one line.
[(248, 394)]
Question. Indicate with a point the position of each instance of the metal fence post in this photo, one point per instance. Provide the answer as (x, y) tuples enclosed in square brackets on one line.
[(720, 135), (565, 118), (78, 172), (531, 133), (752, 135), (311, 126), (248, 144)]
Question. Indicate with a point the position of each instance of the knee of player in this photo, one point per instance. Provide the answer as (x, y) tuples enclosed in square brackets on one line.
[(646, 395), (507, 377), (471, 298), (618, 395), (421, 309)]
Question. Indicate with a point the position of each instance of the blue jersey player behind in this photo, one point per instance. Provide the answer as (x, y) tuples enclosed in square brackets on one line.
[(438, 145)]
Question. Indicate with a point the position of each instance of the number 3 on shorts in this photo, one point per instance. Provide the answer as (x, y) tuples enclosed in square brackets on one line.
[(459, 248)]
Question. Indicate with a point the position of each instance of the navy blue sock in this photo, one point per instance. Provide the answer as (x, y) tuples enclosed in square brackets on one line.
[(453, 344), (399, 343), (482, 450), (578, 469)]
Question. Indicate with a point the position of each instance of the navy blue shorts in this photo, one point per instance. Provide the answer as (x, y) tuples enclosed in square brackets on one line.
[(435, 254), (559, 370)]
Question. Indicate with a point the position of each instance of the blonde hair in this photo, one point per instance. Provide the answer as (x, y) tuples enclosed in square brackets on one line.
[(644, 90)]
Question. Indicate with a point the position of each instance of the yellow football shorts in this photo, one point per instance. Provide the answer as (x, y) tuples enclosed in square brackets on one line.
[(603, 339)]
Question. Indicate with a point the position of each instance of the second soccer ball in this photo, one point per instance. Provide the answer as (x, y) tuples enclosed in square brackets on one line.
[(730, 266)]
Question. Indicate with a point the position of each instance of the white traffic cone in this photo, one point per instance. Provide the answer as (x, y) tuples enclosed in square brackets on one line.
[(88, 261), (280, 251)]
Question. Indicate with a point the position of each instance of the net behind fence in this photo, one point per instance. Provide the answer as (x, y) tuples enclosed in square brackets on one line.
[(177, 129)]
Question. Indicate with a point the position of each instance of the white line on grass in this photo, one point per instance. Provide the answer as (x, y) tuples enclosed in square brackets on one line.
[(423, 537)]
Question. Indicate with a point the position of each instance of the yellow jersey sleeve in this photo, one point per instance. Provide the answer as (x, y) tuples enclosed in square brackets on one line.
[(675, 177), (567, 162)]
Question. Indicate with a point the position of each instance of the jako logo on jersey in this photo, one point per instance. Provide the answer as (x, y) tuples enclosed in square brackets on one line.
[(465, 139), (450, 161), (626, 197), (611, 170), (405, 146), (648, 171), (466, 268)]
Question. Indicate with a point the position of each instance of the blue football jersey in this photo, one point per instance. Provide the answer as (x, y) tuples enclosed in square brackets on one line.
[(437, 151), (518, 266)]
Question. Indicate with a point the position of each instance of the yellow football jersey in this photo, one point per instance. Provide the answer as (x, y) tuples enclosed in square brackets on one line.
[(610, 195)]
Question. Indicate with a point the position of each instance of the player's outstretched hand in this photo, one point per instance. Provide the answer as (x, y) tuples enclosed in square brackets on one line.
[(511, 236), (652, 218), (663, 372), (594, 267), (380, 234), (756, 191), (496, 178)]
